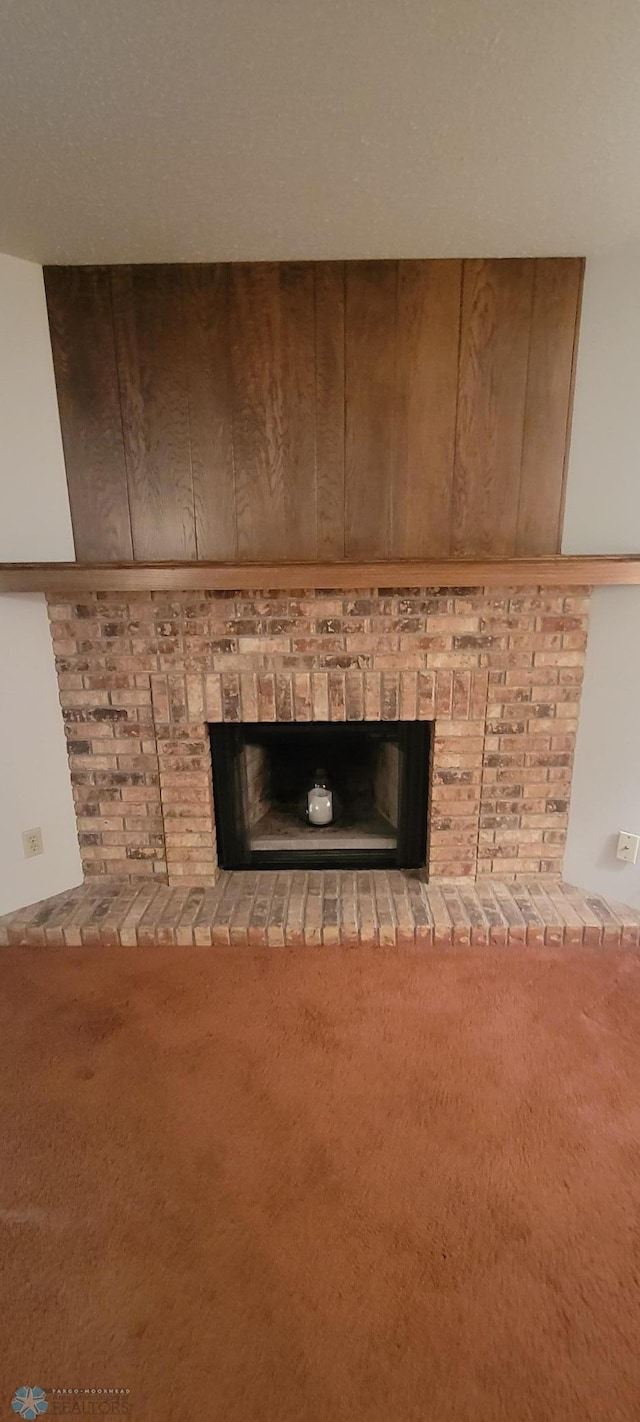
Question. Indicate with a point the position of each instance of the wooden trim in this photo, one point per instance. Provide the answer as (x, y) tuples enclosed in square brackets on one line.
[(572, 391), (556, 571)]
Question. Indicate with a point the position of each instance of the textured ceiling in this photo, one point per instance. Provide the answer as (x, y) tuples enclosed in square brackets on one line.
[(168, 130)]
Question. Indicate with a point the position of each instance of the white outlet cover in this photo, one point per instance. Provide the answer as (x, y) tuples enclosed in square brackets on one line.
[(32, 843), (628, 845)]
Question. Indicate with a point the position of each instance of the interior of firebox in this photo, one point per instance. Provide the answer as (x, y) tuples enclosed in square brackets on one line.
[(361, 771)]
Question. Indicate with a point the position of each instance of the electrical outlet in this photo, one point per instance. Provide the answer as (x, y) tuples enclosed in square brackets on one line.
[(32, 843), (628, 846)]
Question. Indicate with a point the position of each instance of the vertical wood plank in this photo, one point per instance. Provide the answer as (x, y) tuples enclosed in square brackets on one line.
[(330, 404), (428, 330), (370, 378), (150, 346), (492, 380), (273, 365), (84, 358), (206, 326), (298, 383), (552, 349)]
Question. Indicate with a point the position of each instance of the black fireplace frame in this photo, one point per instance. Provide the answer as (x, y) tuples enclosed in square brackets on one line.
[(227, 743)]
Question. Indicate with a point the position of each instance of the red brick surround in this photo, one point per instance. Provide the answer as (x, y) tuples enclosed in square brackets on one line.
[(499, 671)]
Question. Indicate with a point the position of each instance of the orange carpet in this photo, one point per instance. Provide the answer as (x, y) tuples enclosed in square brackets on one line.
[(298, 1187)]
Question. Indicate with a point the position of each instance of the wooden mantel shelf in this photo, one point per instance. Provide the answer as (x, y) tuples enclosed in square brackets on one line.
[(557, 571)]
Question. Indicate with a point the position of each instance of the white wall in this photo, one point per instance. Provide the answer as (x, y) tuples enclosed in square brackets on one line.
[(34, 524), (603, 516)]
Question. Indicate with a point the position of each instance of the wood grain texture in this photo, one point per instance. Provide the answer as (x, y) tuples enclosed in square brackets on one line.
[(150, 347), (492, 385), (298, 411), (208, 369), (371, 320), (330, 404), (426, 377), (273, 364), (84, 357), (552, 350), (577, 571)]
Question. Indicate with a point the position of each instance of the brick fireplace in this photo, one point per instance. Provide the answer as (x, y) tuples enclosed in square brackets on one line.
[(497, 671)]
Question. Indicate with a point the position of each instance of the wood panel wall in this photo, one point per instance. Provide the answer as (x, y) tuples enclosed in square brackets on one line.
[(320, 410)]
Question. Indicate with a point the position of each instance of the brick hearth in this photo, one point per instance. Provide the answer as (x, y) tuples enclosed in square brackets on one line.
[(394, 909), (499, 673)]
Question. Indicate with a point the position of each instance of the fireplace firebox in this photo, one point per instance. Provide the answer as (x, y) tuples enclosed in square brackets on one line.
[(373, 777)]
